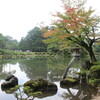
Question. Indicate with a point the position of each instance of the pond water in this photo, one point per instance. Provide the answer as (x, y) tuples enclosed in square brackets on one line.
[(26, 69)]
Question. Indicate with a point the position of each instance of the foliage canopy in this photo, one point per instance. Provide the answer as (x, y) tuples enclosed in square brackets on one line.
[(76, 26)]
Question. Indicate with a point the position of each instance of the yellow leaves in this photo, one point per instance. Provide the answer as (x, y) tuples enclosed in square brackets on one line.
[(75, 22), (64, 36), (49, 33), (50, 40), (64, 44)]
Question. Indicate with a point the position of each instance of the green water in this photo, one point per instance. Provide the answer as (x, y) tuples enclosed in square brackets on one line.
[(26, 69)]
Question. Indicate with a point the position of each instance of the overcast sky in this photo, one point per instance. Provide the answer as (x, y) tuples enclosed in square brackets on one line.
[(17, 17)]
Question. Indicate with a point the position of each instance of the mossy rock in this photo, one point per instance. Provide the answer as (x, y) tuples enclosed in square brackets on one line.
[(65, 83), (41, 85), (10, 81)]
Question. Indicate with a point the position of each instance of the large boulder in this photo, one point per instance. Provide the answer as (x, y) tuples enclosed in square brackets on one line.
[(9, 77), (69, 82), (47, 88), (10, 82), (41, 85)]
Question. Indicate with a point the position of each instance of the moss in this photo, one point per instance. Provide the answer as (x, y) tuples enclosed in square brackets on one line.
[(95, 82), (40, 85), (71, 80), (95, 68), (68, 82), (83, 72), (95, 75), (36, 83), (97, 63), (47, 88)]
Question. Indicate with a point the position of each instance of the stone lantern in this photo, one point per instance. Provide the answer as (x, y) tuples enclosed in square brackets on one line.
[(75, 51), (76, 55)]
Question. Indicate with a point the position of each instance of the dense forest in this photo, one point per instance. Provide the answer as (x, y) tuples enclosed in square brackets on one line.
[(7, 42), (33, 41)]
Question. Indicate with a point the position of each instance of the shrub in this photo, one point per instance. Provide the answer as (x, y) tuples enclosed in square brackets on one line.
[(95, 82), (95, 72), (97, 63), (21, 92)]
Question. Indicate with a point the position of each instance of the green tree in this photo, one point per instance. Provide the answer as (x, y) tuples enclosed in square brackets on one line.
[(23, 44), (24, 92), (2, 42), (33, 41), (76, 26), (7, 42), (10, 43)]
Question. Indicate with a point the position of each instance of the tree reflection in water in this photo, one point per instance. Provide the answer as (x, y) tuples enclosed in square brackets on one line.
[(84, 92), (31, 68)]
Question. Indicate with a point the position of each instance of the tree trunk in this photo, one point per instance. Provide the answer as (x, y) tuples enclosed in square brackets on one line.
[(91, 54)]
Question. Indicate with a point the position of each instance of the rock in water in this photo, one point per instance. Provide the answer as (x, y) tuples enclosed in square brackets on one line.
[(10, 82)]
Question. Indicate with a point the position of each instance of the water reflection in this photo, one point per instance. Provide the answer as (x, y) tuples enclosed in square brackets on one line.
[(84, 91), (34, 68), (51, 69)]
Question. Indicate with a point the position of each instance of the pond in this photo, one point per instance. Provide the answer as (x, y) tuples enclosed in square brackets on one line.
[(26, 69)]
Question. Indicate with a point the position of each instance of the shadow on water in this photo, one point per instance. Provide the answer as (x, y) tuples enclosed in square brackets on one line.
[(84, 92), (48, 68)]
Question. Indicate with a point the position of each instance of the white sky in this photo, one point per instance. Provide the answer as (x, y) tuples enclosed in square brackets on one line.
[(17, 17)]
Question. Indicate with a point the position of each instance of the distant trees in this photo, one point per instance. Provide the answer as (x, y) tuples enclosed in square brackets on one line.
[(2, 41), (7, 42), (33, 41)]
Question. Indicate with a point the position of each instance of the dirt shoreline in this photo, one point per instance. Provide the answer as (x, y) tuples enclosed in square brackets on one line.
[(97, 97)]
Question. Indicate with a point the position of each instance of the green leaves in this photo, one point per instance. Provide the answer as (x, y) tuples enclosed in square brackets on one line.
[(75, 27), (33, 41), (6, 42), (24, 92)]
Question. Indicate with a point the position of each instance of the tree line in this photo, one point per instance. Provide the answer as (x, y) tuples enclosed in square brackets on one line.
[(77, 27), (33, 42), (7, 42)]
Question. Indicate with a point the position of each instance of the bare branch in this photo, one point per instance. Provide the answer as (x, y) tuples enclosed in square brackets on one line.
[(74, 41)]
